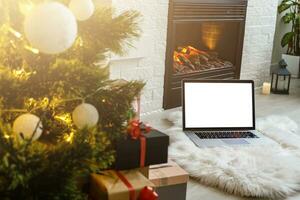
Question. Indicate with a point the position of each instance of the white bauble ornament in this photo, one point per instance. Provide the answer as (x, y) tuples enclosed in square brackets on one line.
[(27, 124), (51, 27), (82, 9), (85, 115)]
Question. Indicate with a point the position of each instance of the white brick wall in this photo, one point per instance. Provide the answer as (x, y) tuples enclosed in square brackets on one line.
[(147, 61), (258, 42)]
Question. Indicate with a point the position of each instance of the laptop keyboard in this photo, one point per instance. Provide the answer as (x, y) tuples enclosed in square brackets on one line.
[(225, 134)]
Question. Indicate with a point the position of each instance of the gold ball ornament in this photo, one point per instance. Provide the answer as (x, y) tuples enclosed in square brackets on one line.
[(51, 27), (85, 115), (82, 9), (27, 125)]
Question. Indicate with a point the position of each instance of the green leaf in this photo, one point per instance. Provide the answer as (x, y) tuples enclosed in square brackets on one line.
[(297, 19), (288, 17), (5, 161), (287, 38), (284, 6)]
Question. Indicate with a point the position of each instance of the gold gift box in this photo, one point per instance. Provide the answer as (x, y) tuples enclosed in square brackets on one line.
[(145, 171), (108, 185)]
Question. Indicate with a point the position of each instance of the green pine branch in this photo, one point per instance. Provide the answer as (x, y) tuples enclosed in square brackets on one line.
[(50, 86)]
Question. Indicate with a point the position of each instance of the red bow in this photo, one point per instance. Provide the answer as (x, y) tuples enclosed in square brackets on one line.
[(148, 194), (136, 128)]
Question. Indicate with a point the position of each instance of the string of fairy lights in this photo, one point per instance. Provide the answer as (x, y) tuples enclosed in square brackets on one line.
[(38, 20), (30, 125)]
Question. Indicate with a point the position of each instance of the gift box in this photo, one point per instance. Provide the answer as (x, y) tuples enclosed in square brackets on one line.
[(145, 171), (117, 185), (149, 149), (170, 181)]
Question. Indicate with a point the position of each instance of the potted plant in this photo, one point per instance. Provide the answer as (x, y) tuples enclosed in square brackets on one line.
[(291, 39)]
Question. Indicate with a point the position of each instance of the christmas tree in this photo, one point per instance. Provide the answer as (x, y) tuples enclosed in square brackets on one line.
[(60, 115)]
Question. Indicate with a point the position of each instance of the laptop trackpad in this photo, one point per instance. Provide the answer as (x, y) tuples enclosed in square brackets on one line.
[(235, 141)]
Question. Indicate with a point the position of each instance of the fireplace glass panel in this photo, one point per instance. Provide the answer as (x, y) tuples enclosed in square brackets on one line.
[(206, 45)]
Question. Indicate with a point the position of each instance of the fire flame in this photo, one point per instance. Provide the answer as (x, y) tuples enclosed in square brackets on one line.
[(185, 53), (176, 57), (210, 34)]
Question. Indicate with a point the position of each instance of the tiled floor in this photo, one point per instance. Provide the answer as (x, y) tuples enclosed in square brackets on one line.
[(287, 105)]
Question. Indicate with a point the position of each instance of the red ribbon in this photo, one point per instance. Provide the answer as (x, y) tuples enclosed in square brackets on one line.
[(128, 185), (143, 151), (147, 193), (136, 130)]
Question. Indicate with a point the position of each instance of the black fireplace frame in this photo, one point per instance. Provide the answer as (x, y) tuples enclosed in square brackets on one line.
[(184, 11)]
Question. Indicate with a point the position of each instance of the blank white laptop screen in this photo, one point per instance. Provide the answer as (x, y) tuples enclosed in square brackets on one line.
[(218, 105)]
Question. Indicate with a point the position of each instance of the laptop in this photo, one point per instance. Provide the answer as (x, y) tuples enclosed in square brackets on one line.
[(220, 113)]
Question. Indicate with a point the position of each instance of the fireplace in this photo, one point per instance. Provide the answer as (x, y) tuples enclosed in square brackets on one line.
[(205, 41)]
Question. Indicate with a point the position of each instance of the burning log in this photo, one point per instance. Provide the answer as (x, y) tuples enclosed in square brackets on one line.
[(182, 59), (189, 59), (189, 50)]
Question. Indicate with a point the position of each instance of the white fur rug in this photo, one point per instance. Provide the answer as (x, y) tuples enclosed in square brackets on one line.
[(271, 172)]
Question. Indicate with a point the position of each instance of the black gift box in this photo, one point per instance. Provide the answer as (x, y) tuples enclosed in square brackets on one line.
[(128, 151)]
